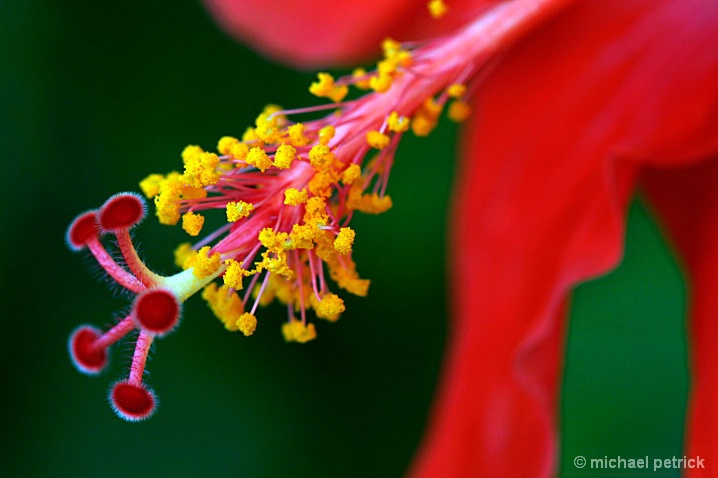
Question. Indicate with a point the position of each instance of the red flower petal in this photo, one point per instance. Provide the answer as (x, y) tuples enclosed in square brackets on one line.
[(307, 34), (688, 202), (562, 125)]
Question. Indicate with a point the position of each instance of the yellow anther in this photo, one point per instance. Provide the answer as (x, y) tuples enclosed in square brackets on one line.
[(403, 58), (325, 246), (381, 83), (250, 136), (226, 143), (239, 151), (396, 123), (326, 134), (172, 184), (167, 201), (426, 117), (270, 116), (200, 170), (189, 192), (421, 126), (387, 68), (269, 293), (456, 90), (204, 264), (273, 241), (258, 158), (284, 156), (361, 79), (345, 239), (268, 124), (226, 305), (394, 56), (167, 208), (377, 140), (294, 197), (330, 307), (459, 111), (322, 183), (320, 156), (276, 264), (367, 203), (267, 237), (345, 275), (184, 254), (356, 286), (376, 204), (431, 108), (151, 185), (296, 135), (247, 323), (268, 133), (191, 153), (280, 289), (238, 210), (351, 174), (325, 88), (437, 8), (316, 207), (302, 236), (296, 331), (234, 274), (192, 223)]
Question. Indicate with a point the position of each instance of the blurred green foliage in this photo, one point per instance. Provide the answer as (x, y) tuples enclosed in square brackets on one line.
[(94, 98)]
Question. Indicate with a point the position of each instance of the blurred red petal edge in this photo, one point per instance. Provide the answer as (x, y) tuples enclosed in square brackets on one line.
[(332, 32), (686, 200), (551, 162)]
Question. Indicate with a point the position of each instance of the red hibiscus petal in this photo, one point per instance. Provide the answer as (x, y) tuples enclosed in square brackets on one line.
[(562, 126), (307, 34), (688, 203)]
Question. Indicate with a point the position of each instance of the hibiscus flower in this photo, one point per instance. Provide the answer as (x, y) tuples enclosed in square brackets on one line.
[(576, 104), (597, 101)]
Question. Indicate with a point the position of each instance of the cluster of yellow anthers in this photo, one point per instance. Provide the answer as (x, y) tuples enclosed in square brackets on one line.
[(289, 190)]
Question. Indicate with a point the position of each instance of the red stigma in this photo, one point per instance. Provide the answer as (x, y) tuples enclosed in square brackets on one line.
[(132, 402), (85, 356), (82, 229), (157, 311), (121, 212)]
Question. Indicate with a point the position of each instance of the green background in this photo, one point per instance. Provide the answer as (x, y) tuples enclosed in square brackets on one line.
[(92, 100)]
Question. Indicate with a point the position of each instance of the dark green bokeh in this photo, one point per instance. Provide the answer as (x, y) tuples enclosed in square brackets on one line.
[(94, 99)]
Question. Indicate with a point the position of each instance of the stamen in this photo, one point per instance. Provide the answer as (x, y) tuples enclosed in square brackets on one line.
[(131, 399), (132, 402), (259, 294), (85, 357), (136, 265), (118, 215), (84, 233), (288, 191), (157, 311), (123, 327), (82, 229), (88, 345), (121, 212)]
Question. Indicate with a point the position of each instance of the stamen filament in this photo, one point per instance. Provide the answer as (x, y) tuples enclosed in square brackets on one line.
[(138, 268), (142, 348), (120, 275), (117, 332), (261, 291)]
